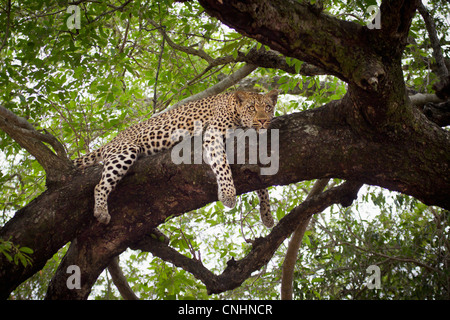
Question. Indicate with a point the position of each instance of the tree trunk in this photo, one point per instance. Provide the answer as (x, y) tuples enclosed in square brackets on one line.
[(373, 135)]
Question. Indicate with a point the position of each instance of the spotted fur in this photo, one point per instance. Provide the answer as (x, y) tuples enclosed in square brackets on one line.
[(218, 113)]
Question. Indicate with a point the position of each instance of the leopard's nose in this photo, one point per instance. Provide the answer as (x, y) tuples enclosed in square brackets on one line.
[(262, 122)]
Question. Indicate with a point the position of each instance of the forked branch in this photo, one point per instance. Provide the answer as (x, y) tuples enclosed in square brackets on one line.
[(19, 129), (262, 250)]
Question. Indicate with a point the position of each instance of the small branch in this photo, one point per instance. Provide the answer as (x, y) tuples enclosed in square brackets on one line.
[(120, 281), (272, 59), (221, 86), (260, 57), (398, 258), (8, 21), (189, 50), (157, 72), (112, 10), (166, 253), (437, 50), (290, 259), (30, 139), (307, 89), (125, 37)]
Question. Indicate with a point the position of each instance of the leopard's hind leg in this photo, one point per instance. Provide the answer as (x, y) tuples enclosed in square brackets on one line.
[(118, 157)]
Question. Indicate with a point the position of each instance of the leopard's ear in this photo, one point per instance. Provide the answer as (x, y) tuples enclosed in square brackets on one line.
[(241, 96), (273, 95)]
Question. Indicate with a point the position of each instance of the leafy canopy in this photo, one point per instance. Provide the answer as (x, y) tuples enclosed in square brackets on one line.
[(131, 59)]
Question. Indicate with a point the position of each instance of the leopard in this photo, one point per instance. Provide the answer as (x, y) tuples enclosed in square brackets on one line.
[(217, 114)]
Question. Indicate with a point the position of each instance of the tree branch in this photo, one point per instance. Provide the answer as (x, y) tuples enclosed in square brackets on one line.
[(433, 108), (8, 22), (297, 30), (118, 8), (19, 129), (421, 99), (442, 71), (262, 250), (439, 113), (260, 57), (120, 280), (219, 87), (290, 259), (396, 17), (395, 258)]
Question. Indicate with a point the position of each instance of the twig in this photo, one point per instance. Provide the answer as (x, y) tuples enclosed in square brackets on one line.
[(401, 259), (8, 21), (189, 50), (125, 37), (112, 10), (157, 70)]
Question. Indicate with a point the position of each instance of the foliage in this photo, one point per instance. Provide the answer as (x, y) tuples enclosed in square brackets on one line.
[(16, 254), (84, 85), (405, 239)]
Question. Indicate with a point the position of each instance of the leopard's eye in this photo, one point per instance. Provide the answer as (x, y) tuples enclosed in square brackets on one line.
[(251, 108), (269, 108)]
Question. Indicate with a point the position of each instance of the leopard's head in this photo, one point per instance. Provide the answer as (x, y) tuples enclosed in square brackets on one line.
[(256, 110)]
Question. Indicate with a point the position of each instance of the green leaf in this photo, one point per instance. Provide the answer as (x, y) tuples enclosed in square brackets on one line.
[(7, 255), (306, 240), (26, 250)]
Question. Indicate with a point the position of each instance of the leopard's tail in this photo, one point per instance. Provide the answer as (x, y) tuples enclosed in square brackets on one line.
[(88, 159)]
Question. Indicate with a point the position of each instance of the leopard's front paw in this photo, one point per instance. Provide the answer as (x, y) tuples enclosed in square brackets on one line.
[(102, 215), (228, 197)]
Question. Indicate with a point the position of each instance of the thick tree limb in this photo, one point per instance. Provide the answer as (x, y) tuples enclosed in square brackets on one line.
[(396, 17), (421, 99), (433, 108), (368, 60), (372, 135), (295, 29)]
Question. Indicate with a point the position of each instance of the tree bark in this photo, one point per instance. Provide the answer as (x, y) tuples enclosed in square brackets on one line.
[(372, 135)]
